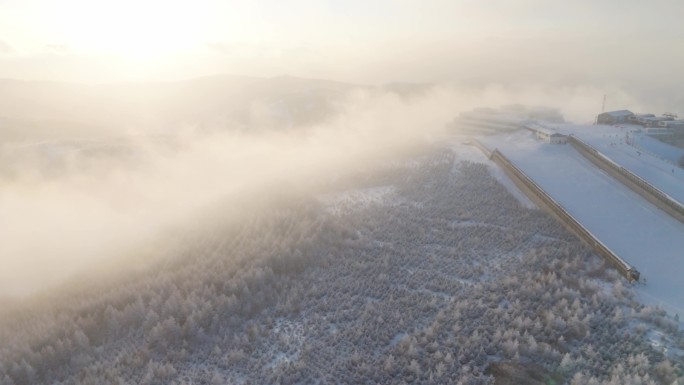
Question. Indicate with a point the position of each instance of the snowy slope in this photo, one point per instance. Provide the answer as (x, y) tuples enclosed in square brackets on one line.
[(636, 230), (665, 151), (655, 168)]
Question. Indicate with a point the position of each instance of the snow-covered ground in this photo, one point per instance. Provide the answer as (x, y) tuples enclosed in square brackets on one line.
[(662, 150), (464, 151), (357, 198), (636, 230), (646, 157)]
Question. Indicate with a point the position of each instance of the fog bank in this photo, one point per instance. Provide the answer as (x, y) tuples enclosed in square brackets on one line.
[(94, 184)]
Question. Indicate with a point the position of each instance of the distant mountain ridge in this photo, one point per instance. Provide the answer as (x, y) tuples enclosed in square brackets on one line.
[(31, 109)]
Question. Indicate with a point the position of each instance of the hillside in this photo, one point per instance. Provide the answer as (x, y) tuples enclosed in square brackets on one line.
[(31, 110), (421, 269)]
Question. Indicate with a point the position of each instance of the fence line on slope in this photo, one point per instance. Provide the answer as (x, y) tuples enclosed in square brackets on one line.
[(637, 184), (482, 148), (537, 194)]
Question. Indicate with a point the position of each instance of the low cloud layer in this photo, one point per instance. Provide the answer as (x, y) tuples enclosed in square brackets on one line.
[(68, 205), (102, 192)]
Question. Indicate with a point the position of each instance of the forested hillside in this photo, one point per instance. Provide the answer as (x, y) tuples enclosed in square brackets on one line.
[(421, 270)]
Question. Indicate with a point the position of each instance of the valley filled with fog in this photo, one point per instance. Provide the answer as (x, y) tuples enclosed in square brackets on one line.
[(285, 230)]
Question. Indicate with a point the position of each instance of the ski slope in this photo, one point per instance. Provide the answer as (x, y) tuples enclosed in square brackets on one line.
[(633, 228), (635, 152)]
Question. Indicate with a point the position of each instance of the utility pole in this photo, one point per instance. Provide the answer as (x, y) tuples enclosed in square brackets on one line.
[(603, 107)]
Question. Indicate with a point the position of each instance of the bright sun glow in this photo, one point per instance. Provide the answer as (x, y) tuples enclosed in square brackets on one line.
[(133, 29)]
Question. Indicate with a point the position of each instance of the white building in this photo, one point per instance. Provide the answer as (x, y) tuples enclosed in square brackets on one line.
[(549, 136)]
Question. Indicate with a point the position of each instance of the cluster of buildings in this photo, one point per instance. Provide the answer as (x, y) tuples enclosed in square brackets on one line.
[(664, 124), (510, 117)]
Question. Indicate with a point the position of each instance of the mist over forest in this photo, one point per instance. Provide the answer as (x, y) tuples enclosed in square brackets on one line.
[(91, 170), (284, 230), (266, 192), (89, 182)]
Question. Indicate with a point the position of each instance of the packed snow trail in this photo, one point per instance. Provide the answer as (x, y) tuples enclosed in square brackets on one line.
[(633, 228), (636, 153)]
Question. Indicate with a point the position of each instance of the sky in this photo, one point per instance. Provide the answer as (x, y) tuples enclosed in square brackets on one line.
[(545, 41)]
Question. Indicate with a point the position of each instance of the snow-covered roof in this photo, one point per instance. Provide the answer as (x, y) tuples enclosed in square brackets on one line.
[(543, 130), (618, 113), (654, 119)]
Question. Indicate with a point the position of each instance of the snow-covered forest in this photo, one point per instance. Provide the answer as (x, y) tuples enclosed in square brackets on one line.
[(423, 269)]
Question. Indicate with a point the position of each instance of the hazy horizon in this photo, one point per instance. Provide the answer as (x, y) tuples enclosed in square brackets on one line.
[(630, 51), (628, 45)]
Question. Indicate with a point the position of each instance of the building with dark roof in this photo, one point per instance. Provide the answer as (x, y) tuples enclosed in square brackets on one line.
[(614, 117)]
